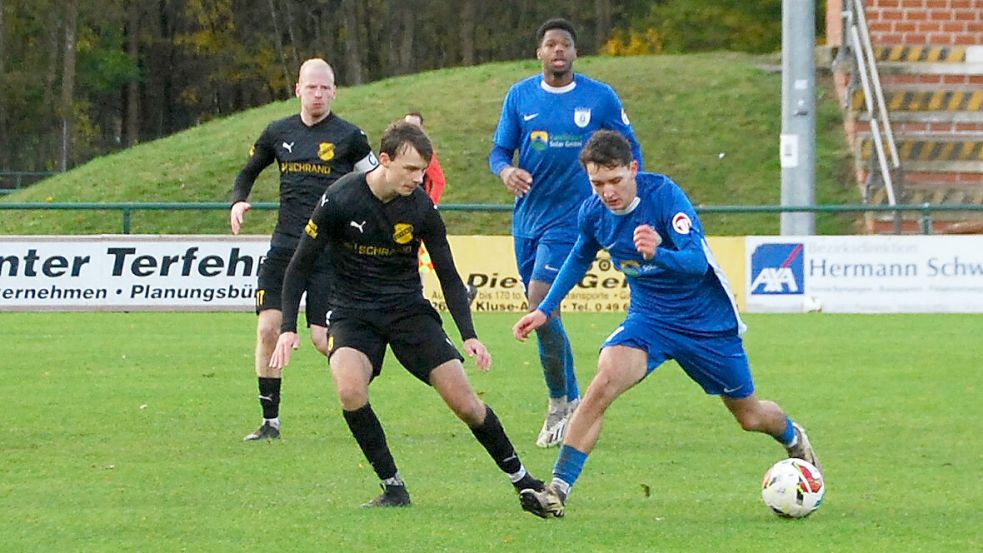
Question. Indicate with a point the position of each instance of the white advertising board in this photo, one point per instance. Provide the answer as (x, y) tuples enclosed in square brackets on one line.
[(865, 274), (196, 273), (179, 273)]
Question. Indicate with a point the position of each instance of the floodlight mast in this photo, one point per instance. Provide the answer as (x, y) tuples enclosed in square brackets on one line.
[(797, 151)]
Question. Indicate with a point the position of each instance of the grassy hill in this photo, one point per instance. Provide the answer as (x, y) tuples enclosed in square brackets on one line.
[(687, 110)]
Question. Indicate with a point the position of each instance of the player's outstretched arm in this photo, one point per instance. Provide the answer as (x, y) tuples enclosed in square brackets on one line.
[(261, 155), (528, 323), (237, 214), (285, 345), (474, 348)]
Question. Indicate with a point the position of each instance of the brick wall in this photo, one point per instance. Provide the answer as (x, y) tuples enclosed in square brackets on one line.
[(915, 22)]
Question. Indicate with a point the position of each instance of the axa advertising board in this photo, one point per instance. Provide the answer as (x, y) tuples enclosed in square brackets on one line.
[(865, 274)]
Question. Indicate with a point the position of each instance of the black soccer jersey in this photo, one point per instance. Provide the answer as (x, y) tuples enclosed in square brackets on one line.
[(310, 159), (374, 252)]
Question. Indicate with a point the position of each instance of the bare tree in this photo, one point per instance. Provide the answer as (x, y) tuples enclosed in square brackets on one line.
[(467, 32), (293, 35), (405, 50), (133, 87), (49, 118), (278, 43), (353, 50), (4, 150), (68, 79), (602, 14)]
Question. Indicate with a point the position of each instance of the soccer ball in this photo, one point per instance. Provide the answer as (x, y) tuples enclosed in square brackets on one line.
[(793, 488)]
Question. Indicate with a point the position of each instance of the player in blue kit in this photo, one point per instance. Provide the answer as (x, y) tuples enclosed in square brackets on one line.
[(681, 308), (548, 118)]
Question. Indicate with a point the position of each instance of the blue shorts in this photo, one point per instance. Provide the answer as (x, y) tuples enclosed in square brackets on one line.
[(540, 259), (718, 363)]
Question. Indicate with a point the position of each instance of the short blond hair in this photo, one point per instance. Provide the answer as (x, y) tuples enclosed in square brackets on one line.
[(314, 64)]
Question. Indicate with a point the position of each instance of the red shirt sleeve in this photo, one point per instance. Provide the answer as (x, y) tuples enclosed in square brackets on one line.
[(435, 181)]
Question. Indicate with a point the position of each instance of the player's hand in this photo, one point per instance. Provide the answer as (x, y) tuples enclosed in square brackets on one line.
[(285, 345), (474, 348), (531, 321), (646, 241), (237, 214), (517, 180)]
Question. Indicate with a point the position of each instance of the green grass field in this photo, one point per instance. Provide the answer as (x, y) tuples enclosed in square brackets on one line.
[(686, 111), (122, 432)]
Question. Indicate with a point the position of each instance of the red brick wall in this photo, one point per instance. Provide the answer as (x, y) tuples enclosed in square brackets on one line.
[(915, 22)]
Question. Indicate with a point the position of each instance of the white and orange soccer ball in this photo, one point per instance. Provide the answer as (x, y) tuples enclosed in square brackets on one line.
[(793, 488)]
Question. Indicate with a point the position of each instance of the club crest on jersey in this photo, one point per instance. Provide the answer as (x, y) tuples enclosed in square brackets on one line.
[(311, 229), (681, 223), (325, 151), (252, 150), (630, 267), (581, 116), (403, 233), (539, 140)]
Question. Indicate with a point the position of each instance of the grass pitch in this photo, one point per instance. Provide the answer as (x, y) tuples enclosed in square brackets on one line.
[(122, 432), (711, 121)]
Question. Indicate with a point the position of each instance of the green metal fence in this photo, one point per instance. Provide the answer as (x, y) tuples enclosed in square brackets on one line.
[(12, 181), (126, 209)]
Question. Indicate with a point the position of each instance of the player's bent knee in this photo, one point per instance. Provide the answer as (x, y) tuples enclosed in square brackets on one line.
[(267, 335), (602, 391), (320, 344), (750, 421), (749, 413), (352, 398), (469, 409)]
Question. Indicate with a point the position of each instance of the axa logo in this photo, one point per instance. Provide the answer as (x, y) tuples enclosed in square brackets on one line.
[(778, 269)]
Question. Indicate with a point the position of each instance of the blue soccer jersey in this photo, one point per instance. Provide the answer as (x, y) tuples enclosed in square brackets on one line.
[(549, 126), (682, 287)]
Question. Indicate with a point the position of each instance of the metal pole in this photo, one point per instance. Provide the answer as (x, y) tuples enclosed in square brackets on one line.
[(926, 219), (798, 140)]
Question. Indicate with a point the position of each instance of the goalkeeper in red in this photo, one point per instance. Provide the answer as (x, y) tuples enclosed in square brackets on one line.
[(681, 308)]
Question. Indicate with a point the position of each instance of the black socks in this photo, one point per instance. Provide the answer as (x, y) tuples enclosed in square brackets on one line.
[(269, 396), (492, 436), (371, 438)]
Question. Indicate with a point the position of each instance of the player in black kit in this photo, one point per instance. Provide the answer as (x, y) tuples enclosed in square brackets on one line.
[(312, 149), (374, 223)]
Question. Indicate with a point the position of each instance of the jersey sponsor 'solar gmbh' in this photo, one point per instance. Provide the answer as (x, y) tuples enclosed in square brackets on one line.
[(310, 158), (549, 127)]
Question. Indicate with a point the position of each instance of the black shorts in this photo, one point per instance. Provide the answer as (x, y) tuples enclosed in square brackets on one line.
[(269, 290), (415, 334)]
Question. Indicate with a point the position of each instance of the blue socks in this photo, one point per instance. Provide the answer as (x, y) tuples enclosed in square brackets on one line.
[(787, 438), (556, 356), (573, 391), (569, 465)]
